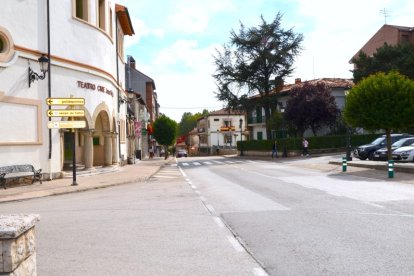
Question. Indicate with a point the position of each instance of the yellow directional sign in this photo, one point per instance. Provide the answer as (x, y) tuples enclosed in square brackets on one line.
[(65, 113), (65, 101), (66, 124)]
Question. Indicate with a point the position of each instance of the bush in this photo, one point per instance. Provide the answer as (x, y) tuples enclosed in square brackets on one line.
[(315, 142)]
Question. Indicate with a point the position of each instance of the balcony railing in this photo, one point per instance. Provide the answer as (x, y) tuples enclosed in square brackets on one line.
[(256, 120)]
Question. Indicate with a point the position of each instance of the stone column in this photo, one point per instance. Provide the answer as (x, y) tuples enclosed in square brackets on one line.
[(108, 149), (18, 244), (115, 157), (88, 149)]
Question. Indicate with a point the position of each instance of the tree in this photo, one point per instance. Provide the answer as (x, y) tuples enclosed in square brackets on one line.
[(381, 101), (385, 59), (311, 106), (256, 60), (189, 122), (165, 131)]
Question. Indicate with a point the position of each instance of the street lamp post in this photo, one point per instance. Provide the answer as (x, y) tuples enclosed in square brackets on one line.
[(241, 136), (348, 136)]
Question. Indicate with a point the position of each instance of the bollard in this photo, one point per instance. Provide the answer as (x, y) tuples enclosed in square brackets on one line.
[(390, 168), (344, 164)]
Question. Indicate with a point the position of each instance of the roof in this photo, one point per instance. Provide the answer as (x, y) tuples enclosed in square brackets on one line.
[(223, 112), (124, 19), (329, 82)]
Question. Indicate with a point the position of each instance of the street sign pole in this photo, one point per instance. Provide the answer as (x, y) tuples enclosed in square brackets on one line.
[(74, 183)]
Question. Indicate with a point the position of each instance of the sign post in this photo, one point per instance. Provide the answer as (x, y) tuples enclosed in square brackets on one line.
[(72, 124)]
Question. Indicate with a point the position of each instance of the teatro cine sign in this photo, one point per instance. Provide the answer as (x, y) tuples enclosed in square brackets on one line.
[(91, 86)]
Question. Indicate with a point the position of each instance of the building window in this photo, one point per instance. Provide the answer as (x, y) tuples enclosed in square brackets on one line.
[(82, 9), (259, 135), (120, 37), (110, 23), (101, 14), (6, 45), (404, 38), (227, 139)]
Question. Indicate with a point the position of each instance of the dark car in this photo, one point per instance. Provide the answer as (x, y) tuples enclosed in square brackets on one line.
[(181, 153), (382, 153), (367, 151)]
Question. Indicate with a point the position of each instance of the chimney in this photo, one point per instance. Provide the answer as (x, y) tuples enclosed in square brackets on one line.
[(298, 81), (131, 62)]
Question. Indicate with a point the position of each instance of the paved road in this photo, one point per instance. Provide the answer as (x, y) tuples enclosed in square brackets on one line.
[(298, 221), (158, 227)]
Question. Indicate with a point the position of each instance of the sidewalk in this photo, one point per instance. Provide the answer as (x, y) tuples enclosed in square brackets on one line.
[(141, 171)]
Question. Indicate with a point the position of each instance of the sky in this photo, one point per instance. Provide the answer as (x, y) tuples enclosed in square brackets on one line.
[(175, 40)]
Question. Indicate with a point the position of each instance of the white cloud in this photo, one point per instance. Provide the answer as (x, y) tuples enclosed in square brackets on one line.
[(141, 30)]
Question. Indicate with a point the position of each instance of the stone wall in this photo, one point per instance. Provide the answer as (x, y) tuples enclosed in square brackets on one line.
[(18, 245)]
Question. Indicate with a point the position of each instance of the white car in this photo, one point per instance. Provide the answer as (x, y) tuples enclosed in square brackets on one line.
[(404, 154)]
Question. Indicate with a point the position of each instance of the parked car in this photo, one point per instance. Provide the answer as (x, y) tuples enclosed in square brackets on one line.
[(404, 154), (367, 151), (181, 153), (382, 153)]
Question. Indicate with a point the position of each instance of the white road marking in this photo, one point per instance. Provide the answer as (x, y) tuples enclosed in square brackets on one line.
[(218, 162), (207, 163), (185, 164), (237, 246), (258, 271), (197, 163), (197, 192), (194, 187), (230, 162), (164, 176), (182, 172), (203, 199), (210, 208), (219, 222)]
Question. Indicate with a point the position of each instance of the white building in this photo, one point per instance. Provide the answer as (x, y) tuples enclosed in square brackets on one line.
[(84, 42), (220, 129)]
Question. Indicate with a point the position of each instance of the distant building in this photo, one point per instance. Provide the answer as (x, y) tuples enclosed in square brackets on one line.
[(221, 130), (255, 116), (390, 34)]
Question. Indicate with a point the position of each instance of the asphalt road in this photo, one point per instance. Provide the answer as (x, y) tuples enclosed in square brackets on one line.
[(298, 221)]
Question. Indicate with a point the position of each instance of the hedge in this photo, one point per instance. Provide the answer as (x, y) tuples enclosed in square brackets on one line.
[(315, 142)]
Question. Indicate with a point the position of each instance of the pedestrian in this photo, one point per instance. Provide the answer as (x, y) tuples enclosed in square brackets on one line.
[(305, 145), (274, 149), (151, 152)]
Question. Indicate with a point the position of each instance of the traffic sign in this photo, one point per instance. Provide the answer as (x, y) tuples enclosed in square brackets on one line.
[(65, 113), (65, 101), (67, 124)]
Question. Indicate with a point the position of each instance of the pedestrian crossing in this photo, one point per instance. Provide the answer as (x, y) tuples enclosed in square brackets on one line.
[(213, 162)]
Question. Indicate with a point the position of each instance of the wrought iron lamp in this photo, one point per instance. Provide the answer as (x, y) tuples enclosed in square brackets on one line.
[(43, 61)]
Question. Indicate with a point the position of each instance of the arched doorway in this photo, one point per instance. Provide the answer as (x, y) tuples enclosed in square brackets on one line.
[(102, 140)]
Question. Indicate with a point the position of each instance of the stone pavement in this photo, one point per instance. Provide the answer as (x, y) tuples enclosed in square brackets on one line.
[(141, 171)]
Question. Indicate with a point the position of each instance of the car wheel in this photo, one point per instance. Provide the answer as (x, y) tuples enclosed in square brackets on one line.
[(371, 156), (362, 158)]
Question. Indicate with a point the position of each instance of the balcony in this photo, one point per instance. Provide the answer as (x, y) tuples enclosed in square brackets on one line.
[(256, 120)]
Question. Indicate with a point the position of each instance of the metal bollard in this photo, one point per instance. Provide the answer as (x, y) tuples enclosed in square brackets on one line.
[(344, 164), (390, 168)]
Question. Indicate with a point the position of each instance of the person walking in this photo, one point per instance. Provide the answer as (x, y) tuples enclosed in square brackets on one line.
[(305, 145), (274, 149)]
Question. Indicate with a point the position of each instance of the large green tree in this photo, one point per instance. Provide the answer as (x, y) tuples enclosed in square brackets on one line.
[(311, 106), (165, 131), (383, 101), (256, 61), (387, 58)]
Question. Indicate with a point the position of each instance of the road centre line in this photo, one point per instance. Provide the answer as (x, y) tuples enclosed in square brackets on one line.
[(258, 271), (219, 222), (237, 246)]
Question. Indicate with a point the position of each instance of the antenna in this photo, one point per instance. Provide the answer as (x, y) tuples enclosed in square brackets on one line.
[(385, 13)]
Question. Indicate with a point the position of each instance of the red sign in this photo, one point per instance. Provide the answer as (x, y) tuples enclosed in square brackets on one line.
[(137, 128)]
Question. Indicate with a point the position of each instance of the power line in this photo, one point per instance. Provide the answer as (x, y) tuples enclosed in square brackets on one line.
[(200, 107)]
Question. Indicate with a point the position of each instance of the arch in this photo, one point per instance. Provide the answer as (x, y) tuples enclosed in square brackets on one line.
[(103, 107)]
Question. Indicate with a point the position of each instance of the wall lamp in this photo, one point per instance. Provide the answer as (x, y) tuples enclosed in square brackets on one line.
[(43, 60)]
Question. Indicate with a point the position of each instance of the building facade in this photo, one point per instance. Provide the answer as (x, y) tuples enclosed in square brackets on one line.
[(220, 130), (256, 119), (83, 42)]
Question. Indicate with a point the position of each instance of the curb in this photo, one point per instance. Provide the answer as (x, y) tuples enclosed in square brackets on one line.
[(383, 167)]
